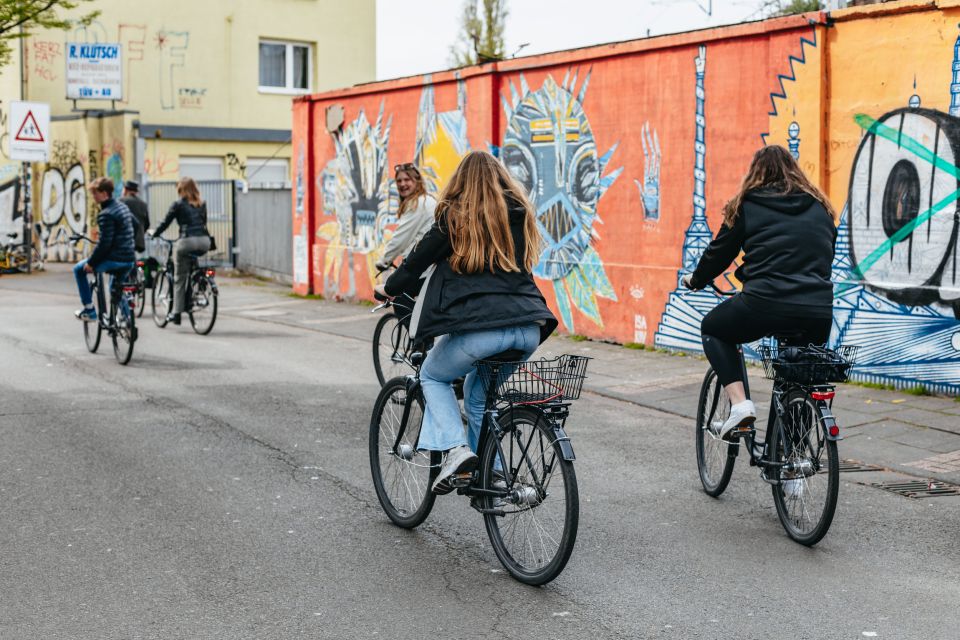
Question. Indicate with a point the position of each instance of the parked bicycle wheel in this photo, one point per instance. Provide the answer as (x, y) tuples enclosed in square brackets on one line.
[(203, 300), (92, 331), (402, 476), (715, 457), (124, 332), (20, 258), (391, 348), (533, 530), (806, 496), (161, 300)]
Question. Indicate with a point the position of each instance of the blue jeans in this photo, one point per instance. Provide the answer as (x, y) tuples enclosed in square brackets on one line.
[(451, 357), (86, 295)]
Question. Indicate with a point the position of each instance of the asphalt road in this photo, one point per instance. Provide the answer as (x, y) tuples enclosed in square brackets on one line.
[(219, 487)]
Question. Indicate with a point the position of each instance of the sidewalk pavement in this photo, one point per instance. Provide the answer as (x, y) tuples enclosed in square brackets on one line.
[(914, 435)]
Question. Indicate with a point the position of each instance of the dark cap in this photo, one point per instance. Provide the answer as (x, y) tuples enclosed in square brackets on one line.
[(131, 185)]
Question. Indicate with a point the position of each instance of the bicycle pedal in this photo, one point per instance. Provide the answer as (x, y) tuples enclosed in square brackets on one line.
[(459, 480)]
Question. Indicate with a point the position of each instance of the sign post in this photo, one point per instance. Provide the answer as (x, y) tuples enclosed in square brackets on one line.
[(29, 137)]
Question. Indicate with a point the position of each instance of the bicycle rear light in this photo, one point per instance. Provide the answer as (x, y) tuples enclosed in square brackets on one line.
[(834, 431), (211, 273), (139, 263), (823, 395)]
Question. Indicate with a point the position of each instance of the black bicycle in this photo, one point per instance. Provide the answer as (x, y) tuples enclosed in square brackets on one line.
[(392, 344), (525, 486), (797, 454), (118, 317), (200, 301)]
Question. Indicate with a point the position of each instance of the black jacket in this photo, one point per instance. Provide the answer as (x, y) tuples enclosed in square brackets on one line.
[(115, 243), (470, 302), (788, 242), (191, 220), (141, 219)]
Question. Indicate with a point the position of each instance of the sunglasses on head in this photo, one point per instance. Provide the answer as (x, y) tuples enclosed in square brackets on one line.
[(406, 166)]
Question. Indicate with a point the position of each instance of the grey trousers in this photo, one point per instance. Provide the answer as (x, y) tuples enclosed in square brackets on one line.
[(182, 249)]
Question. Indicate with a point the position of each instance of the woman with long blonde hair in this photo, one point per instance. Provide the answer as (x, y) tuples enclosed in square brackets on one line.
[(786, 228), (190, 212), (480, 299)]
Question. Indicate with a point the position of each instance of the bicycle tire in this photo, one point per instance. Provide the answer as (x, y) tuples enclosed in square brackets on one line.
[(141, 298), (92, 331), (203, 314), (390, 348), (527, 442), (124, 332), (402, 481), (161, 298), (790, 441), (715, 457)]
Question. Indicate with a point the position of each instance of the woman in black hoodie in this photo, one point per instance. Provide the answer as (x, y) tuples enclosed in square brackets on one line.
[(786, 228), (480, 299)]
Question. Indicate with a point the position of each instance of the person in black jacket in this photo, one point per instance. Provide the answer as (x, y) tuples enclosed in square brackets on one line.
[(786, 229), (114, 253), (190, 212), (141, 215), (479, 298)]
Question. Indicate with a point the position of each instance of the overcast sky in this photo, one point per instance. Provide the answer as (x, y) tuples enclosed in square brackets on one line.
[(414, 36)]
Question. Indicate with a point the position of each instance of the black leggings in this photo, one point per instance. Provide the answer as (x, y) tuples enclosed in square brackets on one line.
[(733, 322)]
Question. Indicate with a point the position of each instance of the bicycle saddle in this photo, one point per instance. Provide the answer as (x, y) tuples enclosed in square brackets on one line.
[(510, 355)]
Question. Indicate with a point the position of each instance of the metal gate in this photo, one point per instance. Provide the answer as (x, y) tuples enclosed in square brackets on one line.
[(221, 213)]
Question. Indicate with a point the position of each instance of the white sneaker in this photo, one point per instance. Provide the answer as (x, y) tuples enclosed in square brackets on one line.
[(742, 414), (458, 460)]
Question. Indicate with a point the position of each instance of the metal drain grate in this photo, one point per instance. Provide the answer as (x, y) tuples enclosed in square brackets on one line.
[(918, 488), (850, 466)]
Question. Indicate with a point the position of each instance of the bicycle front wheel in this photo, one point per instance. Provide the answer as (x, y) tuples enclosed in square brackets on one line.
[(161, 300), (141, 297), (533, 528), (124, 332), (715, 457), (402, 475), (203, 298), (809, 470), (92, 331), (391, 342)]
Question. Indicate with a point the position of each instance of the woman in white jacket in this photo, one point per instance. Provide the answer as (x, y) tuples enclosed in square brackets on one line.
[(414, 217)]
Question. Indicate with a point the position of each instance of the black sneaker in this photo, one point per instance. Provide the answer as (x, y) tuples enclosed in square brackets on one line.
[(174, 318)]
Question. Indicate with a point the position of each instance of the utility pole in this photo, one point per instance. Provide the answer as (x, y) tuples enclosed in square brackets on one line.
[(27, 173)]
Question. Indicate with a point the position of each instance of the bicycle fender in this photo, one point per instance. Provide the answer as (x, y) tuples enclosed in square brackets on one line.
[(566, 447), (830, 426)]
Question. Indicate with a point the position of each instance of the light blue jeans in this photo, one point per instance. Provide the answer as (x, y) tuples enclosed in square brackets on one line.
[(453, 356)]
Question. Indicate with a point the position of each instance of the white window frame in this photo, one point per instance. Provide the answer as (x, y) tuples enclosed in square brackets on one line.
[(289, 90), (268, 162), (212, 161)]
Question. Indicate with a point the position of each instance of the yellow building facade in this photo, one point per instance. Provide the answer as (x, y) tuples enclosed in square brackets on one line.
[(206, 92)]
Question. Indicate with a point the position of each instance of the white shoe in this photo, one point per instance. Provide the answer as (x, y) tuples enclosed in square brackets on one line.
[(742, 414), (458, 460)]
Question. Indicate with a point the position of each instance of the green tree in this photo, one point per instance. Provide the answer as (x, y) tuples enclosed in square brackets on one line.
[(481, 33), (18, 18), (773, 8)]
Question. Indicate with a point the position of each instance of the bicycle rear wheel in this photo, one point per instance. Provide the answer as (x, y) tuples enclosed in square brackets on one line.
[(161, 299), (391, 348), (203, 300), (533, 529), (806, 496), (715, 457), (402, 476), (141, 297), (124, 332)]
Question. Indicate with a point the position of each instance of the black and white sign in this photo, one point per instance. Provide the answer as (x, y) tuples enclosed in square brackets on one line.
[(29, 133)]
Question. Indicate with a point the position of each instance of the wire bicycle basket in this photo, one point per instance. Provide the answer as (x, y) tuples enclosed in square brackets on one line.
[(810, 365), (535, 381)]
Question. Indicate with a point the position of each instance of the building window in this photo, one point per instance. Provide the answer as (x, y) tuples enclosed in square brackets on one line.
[(201, 168), (285, 67), (268, 172)]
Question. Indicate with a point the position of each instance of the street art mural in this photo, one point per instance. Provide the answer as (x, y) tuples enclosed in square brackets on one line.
[(63, 203), (11, 220), (550, 148), (441, 138)]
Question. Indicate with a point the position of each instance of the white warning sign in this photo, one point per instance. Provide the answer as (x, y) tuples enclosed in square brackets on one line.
[(29, 133)]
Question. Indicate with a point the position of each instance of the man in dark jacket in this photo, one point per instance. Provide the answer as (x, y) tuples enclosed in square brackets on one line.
[(114, 253), (141, 215)]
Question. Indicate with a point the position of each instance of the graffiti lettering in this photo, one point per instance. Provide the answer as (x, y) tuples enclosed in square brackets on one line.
[(132, 37), (172, 46), (46, 55), (63, 206), (160, 165), (189, 98)]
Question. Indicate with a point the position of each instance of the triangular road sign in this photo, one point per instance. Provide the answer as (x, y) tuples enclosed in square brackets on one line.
[(29, 131)]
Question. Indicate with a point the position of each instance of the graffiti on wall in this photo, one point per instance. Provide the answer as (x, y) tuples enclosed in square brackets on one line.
[(650, 187), (132, 37), (63, 202), (47, 59), (550, 148), (10, 218), (172, 47), (441, 138)]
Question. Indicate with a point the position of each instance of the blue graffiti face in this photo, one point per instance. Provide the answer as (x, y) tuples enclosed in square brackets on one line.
[(550, 149)]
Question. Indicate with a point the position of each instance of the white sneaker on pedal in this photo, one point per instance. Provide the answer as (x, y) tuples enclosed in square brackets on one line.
[(742, 414), (458, 460)]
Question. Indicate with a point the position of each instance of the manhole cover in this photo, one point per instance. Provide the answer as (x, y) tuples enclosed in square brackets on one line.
[(918, 488), (855, 465)]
